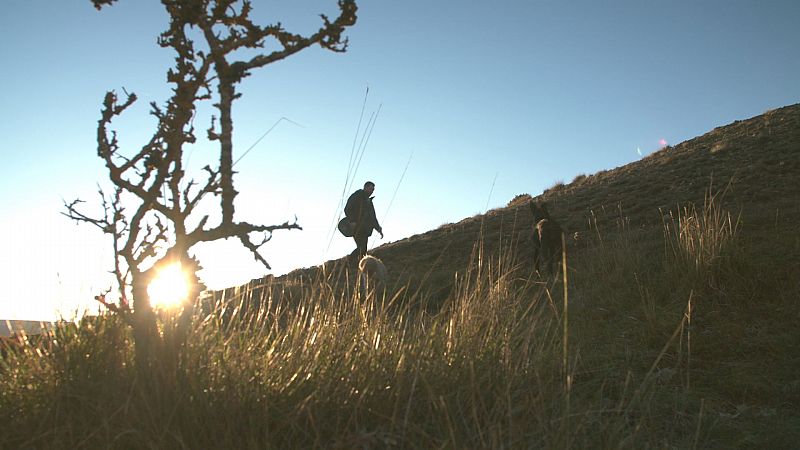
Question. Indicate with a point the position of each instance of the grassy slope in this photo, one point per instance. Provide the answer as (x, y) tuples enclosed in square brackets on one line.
[(758, 160), (760, 157), (742, 363)]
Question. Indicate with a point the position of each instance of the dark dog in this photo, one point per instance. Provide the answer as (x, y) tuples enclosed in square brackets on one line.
[(546, 237)]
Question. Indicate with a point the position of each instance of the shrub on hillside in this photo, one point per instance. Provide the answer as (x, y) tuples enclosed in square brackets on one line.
[(519, 200)]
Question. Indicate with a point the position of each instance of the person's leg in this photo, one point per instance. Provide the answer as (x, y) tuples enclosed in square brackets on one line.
[(361, 247)]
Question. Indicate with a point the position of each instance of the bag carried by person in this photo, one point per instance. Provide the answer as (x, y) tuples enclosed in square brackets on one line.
[(346, 227)]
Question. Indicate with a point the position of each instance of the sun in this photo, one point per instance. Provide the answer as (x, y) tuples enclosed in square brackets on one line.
[(170, 287)]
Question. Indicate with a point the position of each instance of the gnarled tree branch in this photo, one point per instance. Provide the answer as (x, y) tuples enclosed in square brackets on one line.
[(153, 201)]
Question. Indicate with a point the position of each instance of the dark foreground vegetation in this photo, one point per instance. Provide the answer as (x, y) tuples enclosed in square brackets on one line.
[(672, 340)]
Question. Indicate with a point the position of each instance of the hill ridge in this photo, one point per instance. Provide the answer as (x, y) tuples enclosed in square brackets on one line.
[(758, 159)]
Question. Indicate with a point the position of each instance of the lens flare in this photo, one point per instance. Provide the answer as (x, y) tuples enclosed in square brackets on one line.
[(662, 143), (170, 287)]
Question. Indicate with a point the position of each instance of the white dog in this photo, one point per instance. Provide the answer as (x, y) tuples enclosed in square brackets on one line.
[(372, 274)]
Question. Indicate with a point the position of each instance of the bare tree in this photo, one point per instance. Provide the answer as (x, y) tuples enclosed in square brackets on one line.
[(165, 221)]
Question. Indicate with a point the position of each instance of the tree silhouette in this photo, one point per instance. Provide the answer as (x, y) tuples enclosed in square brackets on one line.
[(165, 221)]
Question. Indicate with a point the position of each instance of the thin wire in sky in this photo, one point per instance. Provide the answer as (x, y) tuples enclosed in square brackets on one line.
[(491, 190), (349, 170), (362, 148), (356, 155), (397, 188), (364, 141), (265, 135), (277, 122)]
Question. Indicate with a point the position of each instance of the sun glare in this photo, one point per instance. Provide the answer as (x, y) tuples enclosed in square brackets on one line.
[(169, 288)]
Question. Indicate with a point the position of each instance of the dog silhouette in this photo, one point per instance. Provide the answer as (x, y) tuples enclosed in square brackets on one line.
[(371, 276), (546, 238)]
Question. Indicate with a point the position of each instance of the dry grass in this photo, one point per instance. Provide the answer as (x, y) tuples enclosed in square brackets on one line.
[(627, 357)]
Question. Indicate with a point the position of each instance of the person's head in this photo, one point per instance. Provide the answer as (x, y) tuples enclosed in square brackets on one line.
[(369, 187)]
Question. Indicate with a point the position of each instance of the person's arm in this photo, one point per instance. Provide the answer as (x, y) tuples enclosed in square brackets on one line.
[(352, 209), (377, 226)]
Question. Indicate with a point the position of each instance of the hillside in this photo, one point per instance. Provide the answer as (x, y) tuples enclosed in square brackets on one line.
[(757, 159), (730, 368)]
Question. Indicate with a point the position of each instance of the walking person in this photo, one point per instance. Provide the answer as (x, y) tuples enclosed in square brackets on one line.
[(360, 211)]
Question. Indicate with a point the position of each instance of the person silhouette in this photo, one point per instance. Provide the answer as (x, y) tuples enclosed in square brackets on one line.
[(360, 211)]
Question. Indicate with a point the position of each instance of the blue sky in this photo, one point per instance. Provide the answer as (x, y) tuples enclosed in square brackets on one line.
[(486, 100)]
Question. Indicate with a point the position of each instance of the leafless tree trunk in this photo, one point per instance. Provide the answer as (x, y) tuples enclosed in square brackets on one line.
[(155, 232)]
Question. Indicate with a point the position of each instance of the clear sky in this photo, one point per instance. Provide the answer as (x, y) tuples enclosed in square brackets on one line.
[(481, 101)]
